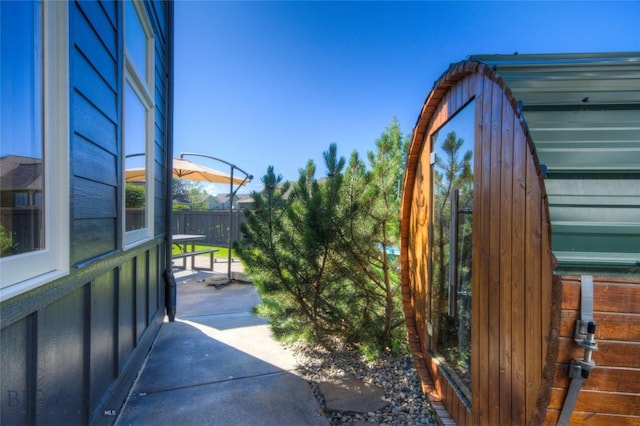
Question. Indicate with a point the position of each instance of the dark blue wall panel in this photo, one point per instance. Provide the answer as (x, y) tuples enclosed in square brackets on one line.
[(142, 295), (60, 361), (103, 337), (96, 39), (93, 162), (92, 237), (154, 277), (110, 8), (95, 127), (88, 81), (15, 397), (101, 18), (126, 313), (95, 200)]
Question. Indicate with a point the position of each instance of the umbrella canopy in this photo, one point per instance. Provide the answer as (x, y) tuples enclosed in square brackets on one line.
[(185, 169)]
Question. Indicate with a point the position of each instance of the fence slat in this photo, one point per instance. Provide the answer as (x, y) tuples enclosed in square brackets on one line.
[(212, 223)]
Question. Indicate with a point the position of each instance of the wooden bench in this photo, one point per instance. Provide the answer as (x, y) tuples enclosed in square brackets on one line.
[(192, 255)]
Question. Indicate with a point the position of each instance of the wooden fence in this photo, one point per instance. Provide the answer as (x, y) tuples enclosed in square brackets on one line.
[(212, 223)]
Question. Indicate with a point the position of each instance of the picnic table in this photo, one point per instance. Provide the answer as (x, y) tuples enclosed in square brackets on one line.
[(187, 245)]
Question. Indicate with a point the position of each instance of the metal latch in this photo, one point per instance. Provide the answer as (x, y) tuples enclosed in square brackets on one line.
[(584, 336), (580, 368)]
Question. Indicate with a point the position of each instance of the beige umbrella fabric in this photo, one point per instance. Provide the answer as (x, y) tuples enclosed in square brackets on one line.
[(185, 169)]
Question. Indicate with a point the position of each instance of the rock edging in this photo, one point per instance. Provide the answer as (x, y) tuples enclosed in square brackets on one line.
[(395, 378)]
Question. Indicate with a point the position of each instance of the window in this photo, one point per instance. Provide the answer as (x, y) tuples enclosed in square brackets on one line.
[(138, 124), (34, 143), (451, 228)]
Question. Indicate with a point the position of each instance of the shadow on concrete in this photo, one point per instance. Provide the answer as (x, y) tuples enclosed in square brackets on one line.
[(217, 364)]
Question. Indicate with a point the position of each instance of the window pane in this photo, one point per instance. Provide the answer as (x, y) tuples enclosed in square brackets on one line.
[(21, 132), (136, 40), (135, 136), (451, 245)]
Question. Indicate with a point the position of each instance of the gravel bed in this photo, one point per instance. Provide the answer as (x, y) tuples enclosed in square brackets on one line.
[(397, 376)]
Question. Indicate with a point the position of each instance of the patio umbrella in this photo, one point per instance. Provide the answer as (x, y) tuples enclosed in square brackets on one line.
[(185, 169)]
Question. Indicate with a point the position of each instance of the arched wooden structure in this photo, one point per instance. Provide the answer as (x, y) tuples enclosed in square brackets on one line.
[(522, 313)]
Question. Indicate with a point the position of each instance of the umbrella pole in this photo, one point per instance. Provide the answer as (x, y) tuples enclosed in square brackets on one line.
[(230, 219)]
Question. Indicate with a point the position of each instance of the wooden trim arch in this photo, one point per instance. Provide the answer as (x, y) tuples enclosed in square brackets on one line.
[(516, 301)]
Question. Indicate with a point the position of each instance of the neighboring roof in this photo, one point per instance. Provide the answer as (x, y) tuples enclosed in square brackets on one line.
[(223, 199), (245, 198), (583, 114), (20, 173), (220, 198)]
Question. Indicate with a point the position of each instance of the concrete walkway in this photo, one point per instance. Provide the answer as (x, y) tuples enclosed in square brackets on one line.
[(217, 364)]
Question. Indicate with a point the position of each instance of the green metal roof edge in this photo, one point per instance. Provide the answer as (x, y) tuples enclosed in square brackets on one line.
[(557, 58)]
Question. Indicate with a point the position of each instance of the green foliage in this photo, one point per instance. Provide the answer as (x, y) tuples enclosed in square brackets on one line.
[(222, 253), (180, 189), (134, 196), (5, 242), (317, 251), (189, 195), (453, 172), (198, 198), (180, 207)]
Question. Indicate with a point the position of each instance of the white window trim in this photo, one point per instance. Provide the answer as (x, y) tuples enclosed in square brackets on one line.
[(26, 271), (143, 87)]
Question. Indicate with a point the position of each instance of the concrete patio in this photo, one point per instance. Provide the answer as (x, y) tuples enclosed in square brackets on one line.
[(218, 364)]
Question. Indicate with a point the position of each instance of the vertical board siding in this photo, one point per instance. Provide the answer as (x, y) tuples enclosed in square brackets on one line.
[(533, 349), (102, 339), (512, 275), (155, 276), (16, 398), (611, 393), (126, 312), (518, 301), (60, 386), (419, 254), (481, 261), (494, 284), (142, 295), (506, 237)]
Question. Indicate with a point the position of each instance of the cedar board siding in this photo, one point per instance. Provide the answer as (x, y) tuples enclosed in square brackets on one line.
[(611, 394), (512, 261), (71, 348)]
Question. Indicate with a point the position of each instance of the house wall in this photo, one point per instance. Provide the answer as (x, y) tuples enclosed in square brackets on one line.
[(512, 260), (70, 349)]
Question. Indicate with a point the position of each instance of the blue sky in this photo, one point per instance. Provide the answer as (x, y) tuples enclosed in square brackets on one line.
[(274, 83)]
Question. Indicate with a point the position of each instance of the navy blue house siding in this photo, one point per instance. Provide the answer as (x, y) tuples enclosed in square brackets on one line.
[(70, 348)]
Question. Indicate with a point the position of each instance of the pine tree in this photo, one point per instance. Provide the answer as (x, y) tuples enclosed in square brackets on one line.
[(373, 198), (319, 256), (453, 176)]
